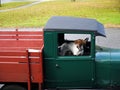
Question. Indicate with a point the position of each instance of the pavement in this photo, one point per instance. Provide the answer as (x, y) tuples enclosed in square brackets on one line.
[(24, 6), (112, 39)]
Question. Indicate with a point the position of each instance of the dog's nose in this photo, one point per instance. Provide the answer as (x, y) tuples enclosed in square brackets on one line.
[(75, 55)]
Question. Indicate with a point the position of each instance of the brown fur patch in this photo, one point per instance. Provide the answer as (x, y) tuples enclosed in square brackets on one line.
[(80, 42)]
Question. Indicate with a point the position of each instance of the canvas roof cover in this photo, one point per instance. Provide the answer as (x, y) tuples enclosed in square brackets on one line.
[(64, 23)]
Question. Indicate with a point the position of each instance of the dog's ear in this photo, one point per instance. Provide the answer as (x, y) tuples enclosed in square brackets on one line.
[(86, 39), (84, 42), (80, 42)]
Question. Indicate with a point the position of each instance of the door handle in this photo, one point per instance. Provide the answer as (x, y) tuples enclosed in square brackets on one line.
[(56, 65)]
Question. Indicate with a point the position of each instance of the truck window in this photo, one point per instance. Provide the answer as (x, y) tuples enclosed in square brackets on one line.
[(74, 44)]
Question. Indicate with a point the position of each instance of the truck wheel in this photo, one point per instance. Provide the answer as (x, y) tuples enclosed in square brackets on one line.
[(13, 87)]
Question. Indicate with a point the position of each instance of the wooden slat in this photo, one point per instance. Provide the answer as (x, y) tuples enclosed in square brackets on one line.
[(20, 37), (21, 43), (20, 77), (13, 68), (19, 68), (16, 49), (19, 60), (12, 60), (11, 72), (34, 57), (13, 77), (20, 54), (21, 32), (12, 53)]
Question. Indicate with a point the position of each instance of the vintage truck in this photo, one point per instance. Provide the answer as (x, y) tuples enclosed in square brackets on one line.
[(30, 60)]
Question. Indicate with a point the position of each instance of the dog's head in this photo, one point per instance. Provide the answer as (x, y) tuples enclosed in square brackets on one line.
[(79, 46)]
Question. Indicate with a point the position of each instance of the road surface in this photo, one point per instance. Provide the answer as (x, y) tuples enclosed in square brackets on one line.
[(7, 1), (112, 39)]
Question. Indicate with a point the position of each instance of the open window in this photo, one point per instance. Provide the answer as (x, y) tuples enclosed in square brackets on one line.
[(74, 44)]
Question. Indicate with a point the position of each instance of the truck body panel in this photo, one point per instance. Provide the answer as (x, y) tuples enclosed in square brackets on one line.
[(107, 67), (21, 56)]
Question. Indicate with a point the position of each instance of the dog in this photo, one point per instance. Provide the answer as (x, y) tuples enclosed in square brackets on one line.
[(75, 48)]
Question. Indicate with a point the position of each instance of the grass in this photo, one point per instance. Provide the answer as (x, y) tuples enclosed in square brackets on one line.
[(13, 5), (105, 11)]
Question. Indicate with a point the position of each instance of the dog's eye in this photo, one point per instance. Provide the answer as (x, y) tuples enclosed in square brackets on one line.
[(78, 47)]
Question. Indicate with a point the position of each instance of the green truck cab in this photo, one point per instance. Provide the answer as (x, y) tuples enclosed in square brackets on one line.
[(70, 71)]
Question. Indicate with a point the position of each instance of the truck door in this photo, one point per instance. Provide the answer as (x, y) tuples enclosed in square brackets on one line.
[(76, 70), (73, 71)]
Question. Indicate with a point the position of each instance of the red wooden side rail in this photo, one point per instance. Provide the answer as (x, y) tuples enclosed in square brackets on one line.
[(21, 56), (20, 40)]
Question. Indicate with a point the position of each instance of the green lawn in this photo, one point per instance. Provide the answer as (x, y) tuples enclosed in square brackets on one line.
[(105, 11)]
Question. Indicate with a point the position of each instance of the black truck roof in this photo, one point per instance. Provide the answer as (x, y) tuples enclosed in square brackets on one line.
[(65, 23)]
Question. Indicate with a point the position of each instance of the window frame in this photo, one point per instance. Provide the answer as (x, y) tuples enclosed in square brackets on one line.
[(92, 49)]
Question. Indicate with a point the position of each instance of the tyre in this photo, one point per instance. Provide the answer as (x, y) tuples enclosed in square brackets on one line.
[(13, 87)]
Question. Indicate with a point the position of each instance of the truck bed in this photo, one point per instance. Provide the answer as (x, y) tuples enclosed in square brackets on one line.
[(21, 56)]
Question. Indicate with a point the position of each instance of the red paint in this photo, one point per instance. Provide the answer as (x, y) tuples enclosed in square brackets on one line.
[(16, 63)]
